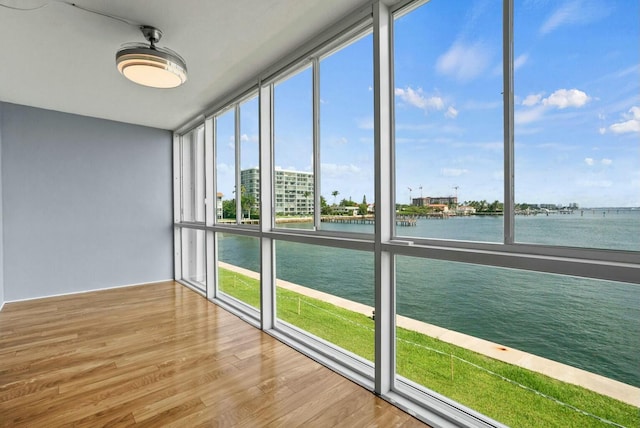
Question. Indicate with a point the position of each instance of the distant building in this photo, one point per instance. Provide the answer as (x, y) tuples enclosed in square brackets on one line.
[(346, 210), (293, 190), (465, 210), (440, 207), (549, 206), (435, 200)]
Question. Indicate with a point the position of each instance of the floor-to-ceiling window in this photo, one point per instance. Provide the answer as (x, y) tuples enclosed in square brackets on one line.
[(449, 138), (346, 137), (503, 141), (190, 167), (236, 167), (577, 118), (470, 322)]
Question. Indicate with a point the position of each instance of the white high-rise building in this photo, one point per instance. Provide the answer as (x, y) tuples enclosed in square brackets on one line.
[(293, 190)]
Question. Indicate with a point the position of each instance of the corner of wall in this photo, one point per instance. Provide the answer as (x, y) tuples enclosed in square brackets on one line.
[(1, 221)]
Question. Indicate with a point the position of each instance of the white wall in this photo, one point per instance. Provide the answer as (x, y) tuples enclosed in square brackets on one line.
[(87, 203)]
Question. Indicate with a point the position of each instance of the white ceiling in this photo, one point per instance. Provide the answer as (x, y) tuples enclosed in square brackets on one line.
[(60, 57)]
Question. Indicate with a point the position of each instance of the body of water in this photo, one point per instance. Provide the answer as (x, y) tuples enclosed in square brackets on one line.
[(590, 324)]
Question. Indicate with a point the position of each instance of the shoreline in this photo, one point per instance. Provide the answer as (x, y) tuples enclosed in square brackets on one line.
[(594, 382)]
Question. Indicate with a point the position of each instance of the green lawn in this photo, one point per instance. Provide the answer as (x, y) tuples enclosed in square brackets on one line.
[(507, 393)]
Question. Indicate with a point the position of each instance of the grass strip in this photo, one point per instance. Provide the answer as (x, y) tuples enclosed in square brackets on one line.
[(510, 394)]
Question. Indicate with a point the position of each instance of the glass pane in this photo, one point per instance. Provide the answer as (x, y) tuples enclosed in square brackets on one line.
[(346, 138), (193, 257), (239, 267), (293, 149), (449, 120), (328, 292), (187, 165), (226, 167), (577, 123), (250, 161), (531, 323), (198, 176), (192, 160)]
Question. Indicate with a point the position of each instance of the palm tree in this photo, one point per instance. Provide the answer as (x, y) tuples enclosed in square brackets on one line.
[(335, 194)]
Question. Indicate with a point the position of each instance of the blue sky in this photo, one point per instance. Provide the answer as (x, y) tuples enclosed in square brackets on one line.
[(577, 109)]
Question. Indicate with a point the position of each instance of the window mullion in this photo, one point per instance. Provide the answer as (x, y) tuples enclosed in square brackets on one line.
[(384, 288), (238, 185), (316, 143), (211, 207), (177, 205), (267, 271), (508, 106), (193, 173)]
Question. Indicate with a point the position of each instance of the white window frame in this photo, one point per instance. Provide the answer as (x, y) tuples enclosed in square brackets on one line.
[(385, 244)]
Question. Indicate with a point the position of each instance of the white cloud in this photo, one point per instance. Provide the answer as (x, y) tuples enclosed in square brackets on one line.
[(575, 12), (520, 61), (247, 138), (563, 98), (417, 98), (532, 100), (589, 161), (529, 116), (335, 170), (630, 125), (464, 62), (606, 161), (627, 71), (563, 15), (537, 106), (602, 131), (451, 113), (453, 172), (624, 127)]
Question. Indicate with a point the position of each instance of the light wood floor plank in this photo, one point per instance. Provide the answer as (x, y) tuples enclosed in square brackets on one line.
[(161, 355)]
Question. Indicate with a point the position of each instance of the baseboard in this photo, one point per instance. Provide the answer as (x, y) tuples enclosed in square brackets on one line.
[(89, 291)]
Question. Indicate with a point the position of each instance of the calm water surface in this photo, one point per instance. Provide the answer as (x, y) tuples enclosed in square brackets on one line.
[(590, 324)]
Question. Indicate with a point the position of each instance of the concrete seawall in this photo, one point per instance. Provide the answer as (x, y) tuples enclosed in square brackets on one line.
[(565, 373)]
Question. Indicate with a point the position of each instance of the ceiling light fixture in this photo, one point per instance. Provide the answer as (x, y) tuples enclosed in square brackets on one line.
[(150, 65)]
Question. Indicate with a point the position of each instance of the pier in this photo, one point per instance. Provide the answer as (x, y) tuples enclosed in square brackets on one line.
[(439, 215), (368, 219)]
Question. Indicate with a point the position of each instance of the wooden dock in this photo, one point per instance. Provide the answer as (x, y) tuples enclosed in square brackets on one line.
[(368, 219)]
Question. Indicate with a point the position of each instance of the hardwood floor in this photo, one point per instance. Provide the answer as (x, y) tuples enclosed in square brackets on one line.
[(161, 355)]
